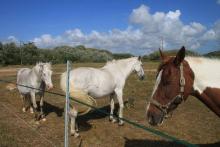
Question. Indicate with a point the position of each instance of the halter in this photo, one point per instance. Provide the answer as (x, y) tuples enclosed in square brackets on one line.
[(164, 108)]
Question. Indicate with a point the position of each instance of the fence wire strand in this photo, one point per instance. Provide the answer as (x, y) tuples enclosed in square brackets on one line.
[(151, 130), (28, 125)]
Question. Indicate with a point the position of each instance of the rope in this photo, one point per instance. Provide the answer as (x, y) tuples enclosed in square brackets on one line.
[(151, 130)]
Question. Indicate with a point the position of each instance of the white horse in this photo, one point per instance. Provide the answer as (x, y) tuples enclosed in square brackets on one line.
[(39, 77), (106, 81)]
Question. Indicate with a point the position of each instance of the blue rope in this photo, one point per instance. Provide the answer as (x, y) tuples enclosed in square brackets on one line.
[(151, 130)]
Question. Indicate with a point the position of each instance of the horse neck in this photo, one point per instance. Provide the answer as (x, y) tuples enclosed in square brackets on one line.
[(210, 99), (206, 75), (128, 69), (123, 67)]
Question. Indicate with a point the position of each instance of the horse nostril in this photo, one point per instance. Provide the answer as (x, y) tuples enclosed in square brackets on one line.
[(49, 87)]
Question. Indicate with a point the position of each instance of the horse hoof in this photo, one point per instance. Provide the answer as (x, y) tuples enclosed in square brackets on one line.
[(121, 123), (75, 134), (31, 110), (44, 119), (23, 109), (112, 120)]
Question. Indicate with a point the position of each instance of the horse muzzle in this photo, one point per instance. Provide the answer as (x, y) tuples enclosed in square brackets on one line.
[(154, 119), (49, 87), (142, 77)]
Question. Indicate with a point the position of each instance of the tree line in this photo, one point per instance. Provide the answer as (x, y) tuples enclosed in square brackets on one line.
[(12, 54), (29, 53)]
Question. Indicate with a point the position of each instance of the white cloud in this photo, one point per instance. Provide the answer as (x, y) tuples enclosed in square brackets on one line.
[(209, 35), (168, 25), (46, 40), (12, 39), (217, 29), (141, 36), (218, 2)]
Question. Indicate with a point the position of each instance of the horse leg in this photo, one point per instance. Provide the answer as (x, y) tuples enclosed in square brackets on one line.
[(121, 105), (24, 102), (112, 106), (41, 107), (27, 101), (73, 126), (30, 104), (33, 99), (31, 109)]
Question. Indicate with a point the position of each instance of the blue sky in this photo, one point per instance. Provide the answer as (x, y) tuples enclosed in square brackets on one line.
[(116, 25)]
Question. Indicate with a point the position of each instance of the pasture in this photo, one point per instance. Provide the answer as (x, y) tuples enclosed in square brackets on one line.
[(192, 121)]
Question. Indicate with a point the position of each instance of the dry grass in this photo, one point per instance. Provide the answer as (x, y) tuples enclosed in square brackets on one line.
[(192, 121)]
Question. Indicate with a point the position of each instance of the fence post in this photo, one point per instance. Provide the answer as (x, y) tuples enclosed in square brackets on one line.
[(66, 141)]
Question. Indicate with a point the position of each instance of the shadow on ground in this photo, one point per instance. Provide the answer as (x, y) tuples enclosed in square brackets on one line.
[(159, 143), (94, 115), (49, 108)]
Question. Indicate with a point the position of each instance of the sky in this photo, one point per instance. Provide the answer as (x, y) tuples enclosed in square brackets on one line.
[(131, 26)]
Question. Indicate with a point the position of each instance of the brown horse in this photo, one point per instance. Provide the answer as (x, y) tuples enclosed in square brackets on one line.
[(180, 76)]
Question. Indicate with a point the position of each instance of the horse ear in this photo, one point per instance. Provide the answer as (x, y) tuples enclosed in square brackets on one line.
[(163, 57), (180, 56), (139, 58)]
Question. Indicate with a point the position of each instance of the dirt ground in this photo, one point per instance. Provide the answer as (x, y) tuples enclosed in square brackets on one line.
[(192, 121)]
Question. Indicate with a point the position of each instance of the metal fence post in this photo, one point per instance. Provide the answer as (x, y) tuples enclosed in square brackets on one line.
[(66, 141)]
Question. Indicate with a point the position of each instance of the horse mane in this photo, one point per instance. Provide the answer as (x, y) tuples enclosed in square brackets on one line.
[(42, 65), (108, 63), (202, 59), (47, 65), (192, 59), (113, 62)]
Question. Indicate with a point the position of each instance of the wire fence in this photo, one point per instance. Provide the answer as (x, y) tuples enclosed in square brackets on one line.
[(140, 126), (66, 141), (29, 126)]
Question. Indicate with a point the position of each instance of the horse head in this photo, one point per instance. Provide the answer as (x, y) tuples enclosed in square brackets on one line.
[(46, 74), (138, 68), (174, 83)]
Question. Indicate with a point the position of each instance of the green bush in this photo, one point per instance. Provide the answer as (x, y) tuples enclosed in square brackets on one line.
[(28, 53)]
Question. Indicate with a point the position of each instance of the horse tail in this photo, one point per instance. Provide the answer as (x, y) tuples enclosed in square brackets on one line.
[(78, 95), (83, 97), (11, 87), (92, 102)]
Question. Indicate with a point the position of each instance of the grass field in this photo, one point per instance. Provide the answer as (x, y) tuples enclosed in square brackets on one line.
[(192, 121)]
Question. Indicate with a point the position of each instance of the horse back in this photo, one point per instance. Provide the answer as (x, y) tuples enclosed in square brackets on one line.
[(23, 75), (23, 78)]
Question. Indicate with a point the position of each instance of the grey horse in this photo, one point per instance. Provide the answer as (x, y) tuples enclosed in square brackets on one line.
[(39, 77)]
